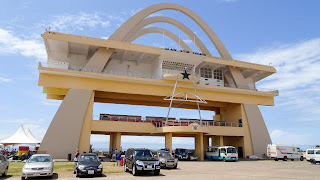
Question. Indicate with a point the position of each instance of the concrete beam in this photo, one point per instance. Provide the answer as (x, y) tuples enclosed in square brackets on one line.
[(99, 60)]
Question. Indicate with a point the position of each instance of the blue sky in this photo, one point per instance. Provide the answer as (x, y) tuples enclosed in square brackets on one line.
[(285, 33)]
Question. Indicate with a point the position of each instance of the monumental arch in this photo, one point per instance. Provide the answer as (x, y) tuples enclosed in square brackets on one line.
[(83, 70)]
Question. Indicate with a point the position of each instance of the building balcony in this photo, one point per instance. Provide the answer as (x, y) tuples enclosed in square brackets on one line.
[(161, 121), (66, 66)]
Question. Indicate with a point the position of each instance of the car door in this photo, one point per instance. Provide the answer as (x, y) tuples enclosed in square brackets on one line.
[(2, 164), (130, 159)]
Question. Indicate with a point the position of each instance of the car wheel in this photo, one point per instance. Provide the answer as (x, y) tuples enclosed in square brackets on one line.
[(292, 159), (285, 158), (175, 167), (301, 158), (126, 168), (5, 172), (156, 172), (23, 178), (224, 160), (134, 170), (313, 161), (50, 177)]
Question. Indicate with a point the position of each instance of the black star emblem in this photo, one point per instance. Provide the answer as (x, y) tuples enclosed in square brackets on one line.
[(185, 75)]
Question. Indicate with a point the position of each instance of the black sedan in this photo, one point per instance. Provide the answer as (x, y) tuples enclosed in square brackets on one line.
[(88, 164)]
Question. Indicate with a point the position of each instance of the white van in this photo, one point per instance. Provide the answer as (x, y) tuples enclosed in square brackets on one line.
[(316, 158), (284, 152), (310, 153), (225, 153)]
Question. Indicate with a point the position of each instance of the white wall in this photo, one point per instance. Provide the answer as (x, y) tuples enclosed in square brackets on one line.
[(128, 68), (74, 60), (251, 83), (156, 69)]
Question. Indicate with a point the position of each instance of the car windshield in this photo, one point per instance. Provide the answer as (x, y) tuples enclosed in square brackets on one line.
[(164, 154), (143, 153), (39, 159), (318, 152), (231, 150), (88, 158), (182, 150)]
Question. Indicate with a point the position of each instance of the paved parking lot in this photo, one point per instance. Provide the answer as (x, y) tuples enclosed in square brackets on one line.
[(226, 170)]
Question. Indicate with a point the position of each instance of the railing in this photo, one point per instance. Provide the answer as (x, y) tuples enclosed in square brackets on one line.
[(161, 123), (252, 88), (164, 71), (169, 71)]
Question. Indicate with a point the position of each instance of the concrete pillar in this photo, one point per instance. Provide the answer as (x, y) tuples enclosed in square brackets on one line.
[(205, 142), (70, 128), (199, 146), (111, 142), (84, 142), (116, 141), (212, 140), (221, 140), (217, 141), (168, 141)]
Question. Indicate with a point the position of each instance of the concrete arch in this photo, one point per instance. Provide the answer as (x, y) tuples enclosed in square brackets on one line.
[(172, 36), (126, 27), (259, 134), (202, 48)]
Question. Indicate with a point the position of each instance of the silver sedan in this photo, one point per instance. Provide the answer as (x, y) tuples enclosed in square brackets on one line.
[(4, 166), (38, 165)]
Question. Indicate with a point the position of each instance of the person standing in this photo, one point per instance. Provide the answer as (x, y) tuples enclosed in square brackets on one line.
[(76, 155)]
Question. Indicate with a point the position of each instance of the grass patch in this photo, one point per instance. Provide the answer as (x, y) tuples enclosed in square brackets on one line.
[(15, 168), (111, 167)]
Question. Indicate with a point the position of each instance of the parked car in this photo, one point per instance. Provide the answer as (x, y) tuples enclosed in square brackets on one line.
[(141, 160), (181, 153), (192, 155), (316, 158), (166, 159), (88, 164), (38, 165), (310, 153), (4, 165)]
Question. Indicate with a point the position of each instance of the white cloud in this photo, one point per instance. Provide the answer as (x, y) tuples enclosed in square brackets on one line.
[(80, 21), (11, 43), (297, 77), (297, 64), (105, 37), (188, 41), (295, 138), (2, 79)]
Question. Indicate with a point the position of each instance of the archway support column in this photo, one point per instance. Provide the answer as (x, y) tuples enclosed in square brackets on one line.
[(70, 128), (199, 146), (205, 142), (115, 141), (168, 141)]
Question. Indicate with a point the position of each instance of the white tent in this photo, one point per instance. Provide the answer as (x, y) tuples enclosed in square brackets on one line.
[(20, 137), (30, 135)]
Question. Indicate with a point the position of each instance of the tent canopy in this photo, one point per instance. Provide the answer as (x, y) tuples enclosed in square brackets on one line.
[(21, 137)]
